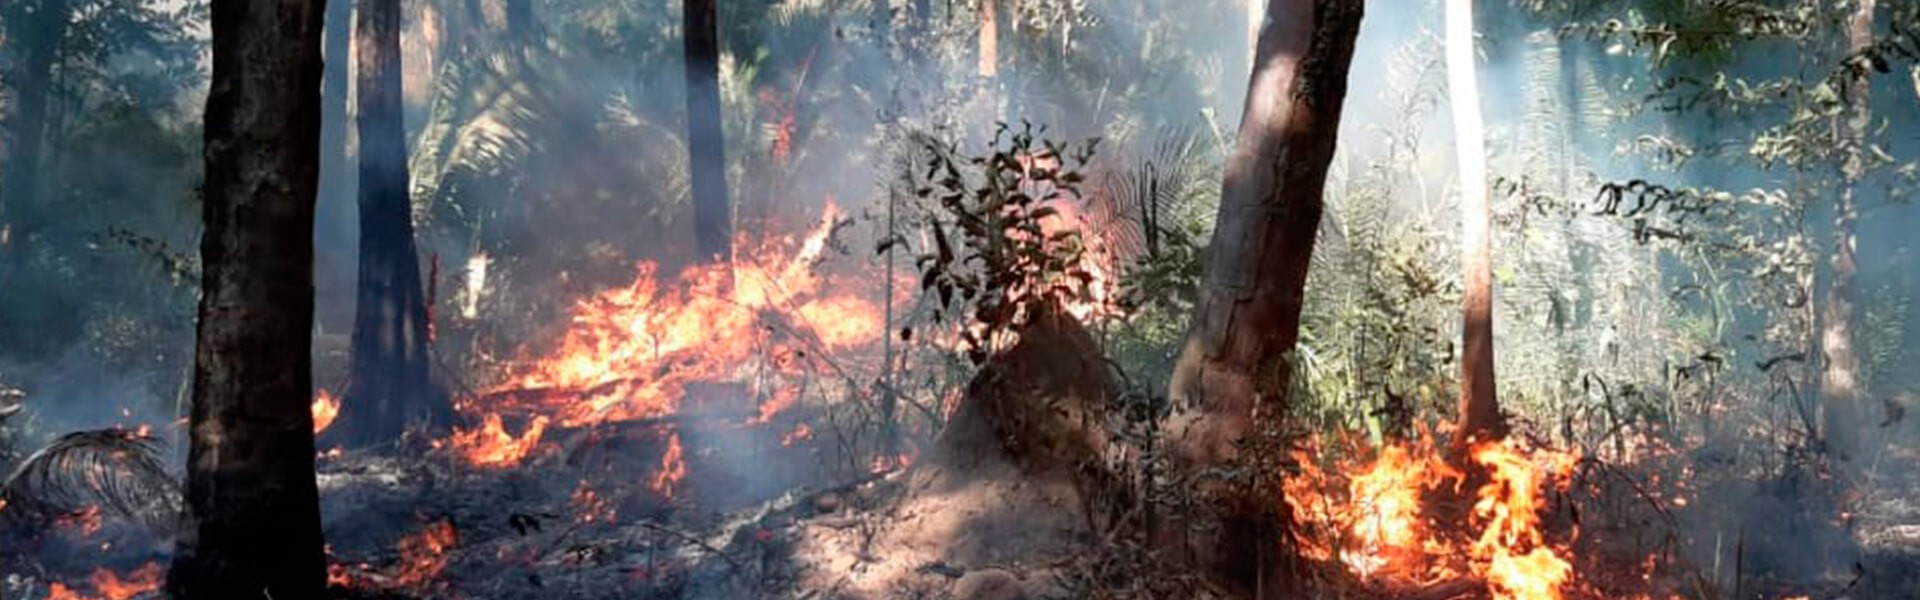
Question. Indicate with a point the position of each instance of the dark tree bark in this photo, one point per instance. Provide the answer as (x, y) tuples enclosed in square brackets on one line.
[(1479, 417), (1233, 374), (251, 527), (1844, 416), (706, 144), (389, 387)]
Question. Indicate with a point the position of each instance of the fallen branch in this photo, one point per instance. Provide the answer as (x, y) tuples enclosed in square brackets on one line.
[(689, 538)]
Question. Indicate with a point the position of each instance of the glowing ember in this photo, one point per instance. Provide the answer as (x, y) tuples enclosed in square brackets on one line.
[(672, 468), (424, 554), (591, 506), (325, 408), (108, 585), (86, 521), (492, 446), (800, 433)]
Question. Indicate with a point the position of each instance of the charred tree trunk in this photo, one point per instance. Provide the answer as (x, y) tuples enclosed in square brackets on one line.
[(706, 143), (1234, 372), (1844, 414), (1479, 416), (389, 387), (251, 527)]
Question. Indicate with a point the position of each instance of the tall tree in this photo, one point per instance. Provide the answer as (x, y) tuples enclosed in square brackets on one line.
[(1840, 393), (706, 144), (251, 524), (335, 185), (989, 39), (1234, 371), (1479, 408), (37, 30), (389, 388)]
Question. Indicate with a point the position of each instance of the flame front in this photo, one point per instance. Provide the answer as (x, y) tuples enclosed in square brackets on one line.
[(631, 352), (1374, 520)]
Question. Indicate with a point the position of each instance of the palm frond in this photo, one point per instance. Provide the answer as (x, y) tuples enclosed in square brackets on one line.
[(118, 470)]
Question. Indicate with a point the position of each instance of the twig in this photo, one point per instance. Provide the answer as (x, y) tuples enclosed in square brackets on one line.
[(689, 538)]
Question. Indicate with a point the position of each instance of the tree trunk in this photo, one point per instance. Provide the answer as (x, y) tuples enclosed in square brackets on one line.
[(38, 42), (706, 145), (989, 39), (1234, 371), (1840, 395), (337, 186), (251, 527), (1479, 416), (389, 387)]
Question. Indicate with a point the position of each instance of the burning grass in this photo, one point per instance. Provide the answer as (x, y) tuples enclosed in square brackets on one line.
[(1381, 517)]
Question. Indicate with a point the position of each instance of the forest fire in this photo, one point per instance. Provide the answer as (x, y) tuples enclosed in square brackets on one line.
[(424, 554), (635, 352), (673, 467), (109, 585), (325, 408), (491, 446), (1376, 521)]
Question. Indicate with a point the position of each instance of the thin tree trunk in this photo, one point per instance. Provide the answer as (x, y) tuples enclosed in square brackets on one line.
[(251, 528), (1479, 416), (706, 145), (39, 44), (389, 388), (989, 66), (1234, 371), (337, 185), (1840, 393)]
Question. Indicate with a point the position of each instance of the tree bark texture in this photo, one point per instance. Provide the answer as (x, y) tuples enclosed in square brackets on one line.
[(1844, 416), (389, 387), (1479, 415), (706, 144), (251, 527), (1234, 370)]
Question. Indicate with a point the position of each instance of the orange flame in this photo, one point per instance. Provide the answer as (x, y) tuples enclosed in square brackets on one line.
[(1515, 557), (1373, 519), (325, 408), (1376, 514), (492, 446), (672, 467), (108, 585), (423, 555), (800, 433), (631, 352)]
